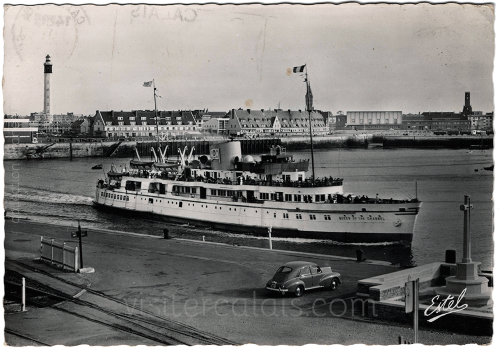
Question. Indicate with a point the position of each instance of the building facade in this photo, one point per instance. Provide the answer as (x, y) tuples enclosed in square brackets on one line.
[(481, 122), (82, 126), (277, 121), (17, 131), (143, 123), (436, 121), (374, 120)]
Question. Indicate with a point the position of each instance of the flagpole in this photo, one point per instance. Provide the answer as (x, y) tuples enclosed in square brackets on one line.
[(156, 117), (309, 107)]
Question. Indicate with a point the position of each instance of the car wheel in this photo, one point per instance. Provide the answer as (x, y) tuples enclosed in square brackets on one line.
[(334, 284), (299, 291)]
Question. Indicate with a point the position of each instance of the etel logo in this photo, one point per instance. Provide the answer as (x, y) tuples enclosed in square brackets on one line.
[(447, 304)]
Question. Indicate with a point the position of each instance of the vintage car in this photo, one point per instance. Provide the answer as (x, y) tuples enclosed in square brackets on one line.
[(297, 277)]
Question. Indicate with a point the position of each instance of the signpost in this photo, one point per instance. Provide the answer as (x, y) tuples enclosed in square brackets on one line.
[(411, 303), (79, 234)]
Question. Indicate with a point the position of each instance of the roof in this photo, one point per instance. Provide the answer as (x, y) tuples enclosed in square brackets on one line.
[(297, 264), (148, 116), (289, 118)]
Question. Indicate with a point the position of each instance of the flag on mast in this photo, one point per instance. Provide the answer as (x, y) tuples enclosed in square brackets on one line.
[(299, 69), (148, 84)]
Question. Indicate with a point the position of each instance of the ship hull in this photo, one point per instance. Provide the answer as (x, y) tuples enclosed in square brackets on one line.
[(345, 237), (349, 223)]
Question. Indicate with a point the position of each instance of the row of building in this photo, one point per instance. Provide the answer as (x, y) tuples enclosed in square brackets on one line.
[(236, 122)]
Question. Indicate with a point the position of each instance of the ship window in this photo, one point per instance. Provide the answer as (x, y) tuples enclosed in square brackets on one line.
[(363, 209), (319, 198), (150, 201), (193, 190), (127, 197), (327, 217), (180, 204), (297, 197), (288, 197), (312, 217), (298, 216), (402, 209), (213, 192), (285, 215), (274, 214)]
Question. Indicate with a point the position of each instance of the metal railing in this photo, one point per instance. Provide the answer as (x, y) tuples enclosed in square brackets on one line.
[(59, 254)]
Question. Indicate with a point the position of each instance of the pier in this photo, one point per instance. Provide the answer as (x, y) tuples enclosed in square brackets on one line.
[(190, 292)]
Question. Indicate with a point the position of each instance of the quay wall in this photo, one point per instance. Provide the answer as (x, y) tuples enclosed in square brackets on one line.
[(62, 148), (451, 142)]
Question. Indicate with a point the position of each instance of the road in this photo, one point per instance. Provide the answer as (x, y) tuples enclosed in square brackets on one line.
[(149, 290)]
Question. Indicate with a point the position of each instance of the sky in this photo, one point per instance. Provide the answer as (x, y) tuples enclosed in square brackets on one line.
[(360, 57)]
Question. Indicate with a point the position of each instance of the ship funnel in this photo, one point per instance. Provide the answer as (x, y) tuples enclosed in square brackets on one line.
[(223, 155)]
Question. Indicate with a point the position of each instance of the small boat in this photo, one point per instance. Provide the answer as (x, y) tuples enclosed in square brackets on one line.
[(97, 167)]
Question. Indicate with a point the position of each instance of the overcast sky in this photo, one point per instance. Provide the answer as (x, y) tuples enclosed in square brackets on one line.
[(412, 58)]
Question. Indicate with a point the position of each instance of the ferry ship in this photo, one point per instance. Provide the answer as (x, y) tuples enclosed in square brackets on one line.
[(272, 195), (240, 194)]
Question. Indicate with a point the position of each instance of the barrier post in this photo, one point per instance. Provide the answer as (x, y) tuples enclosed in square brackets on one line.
[(51, 251), (203, 238), (269, 230), (63, 249), (76, 259), (23, 294)]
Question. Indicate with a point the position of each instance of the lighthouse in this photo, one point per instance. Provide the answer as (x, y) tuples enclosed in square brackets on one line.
[(47, 72)]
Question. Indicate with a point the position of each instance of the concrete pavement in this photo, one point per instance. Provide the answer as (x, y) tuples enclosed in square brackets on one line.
[(190, 286)]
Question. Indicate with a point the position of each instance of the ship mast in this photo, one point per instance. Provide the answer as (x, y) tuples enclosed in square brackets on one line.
[(310, 108), (156, 117)]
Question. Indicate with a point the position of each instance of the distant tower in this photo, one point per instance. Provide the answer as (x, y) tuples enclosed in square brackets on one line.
[(47, 72), (467, 107)]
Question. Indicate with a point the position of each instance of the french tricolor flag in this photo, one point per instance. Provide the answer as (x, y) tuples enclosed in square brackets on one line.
[(299, 69)]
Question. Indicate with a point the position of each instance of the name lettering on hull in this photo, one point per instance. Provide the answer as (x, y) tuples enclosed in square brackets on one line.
[(361, 218)]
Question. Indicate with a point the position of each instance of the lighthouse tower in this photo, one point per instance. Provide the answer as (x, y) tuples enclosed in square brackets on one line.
[(47, 72)]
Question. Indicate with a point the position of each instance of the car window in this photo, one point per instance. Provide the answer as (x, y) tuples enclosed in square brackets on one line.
[(284, 270), (305, 271), (315, 269)]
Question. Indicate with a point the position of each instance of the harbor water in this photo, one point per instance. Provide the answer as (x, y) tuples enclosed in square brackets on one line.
[(61, 191)]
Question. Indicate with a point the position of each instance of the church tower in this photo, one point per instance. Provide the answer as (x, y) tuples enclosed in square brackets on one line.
[(47, 70), (467, 107)]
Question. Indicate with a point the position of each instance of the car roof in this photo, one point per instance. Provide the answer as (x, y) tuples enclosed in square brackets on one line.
[(297, 264)]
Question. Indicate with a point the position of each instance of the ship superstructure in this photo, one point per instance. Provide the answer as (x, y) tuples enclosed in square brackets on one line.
[(240, 194)]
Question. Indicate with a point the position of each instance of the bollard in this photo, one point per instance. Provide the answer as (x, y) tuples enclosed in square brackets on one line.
[(269, 230), (359, 255), (450, 256), (23, 295), (165, 233), (203, 238)]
